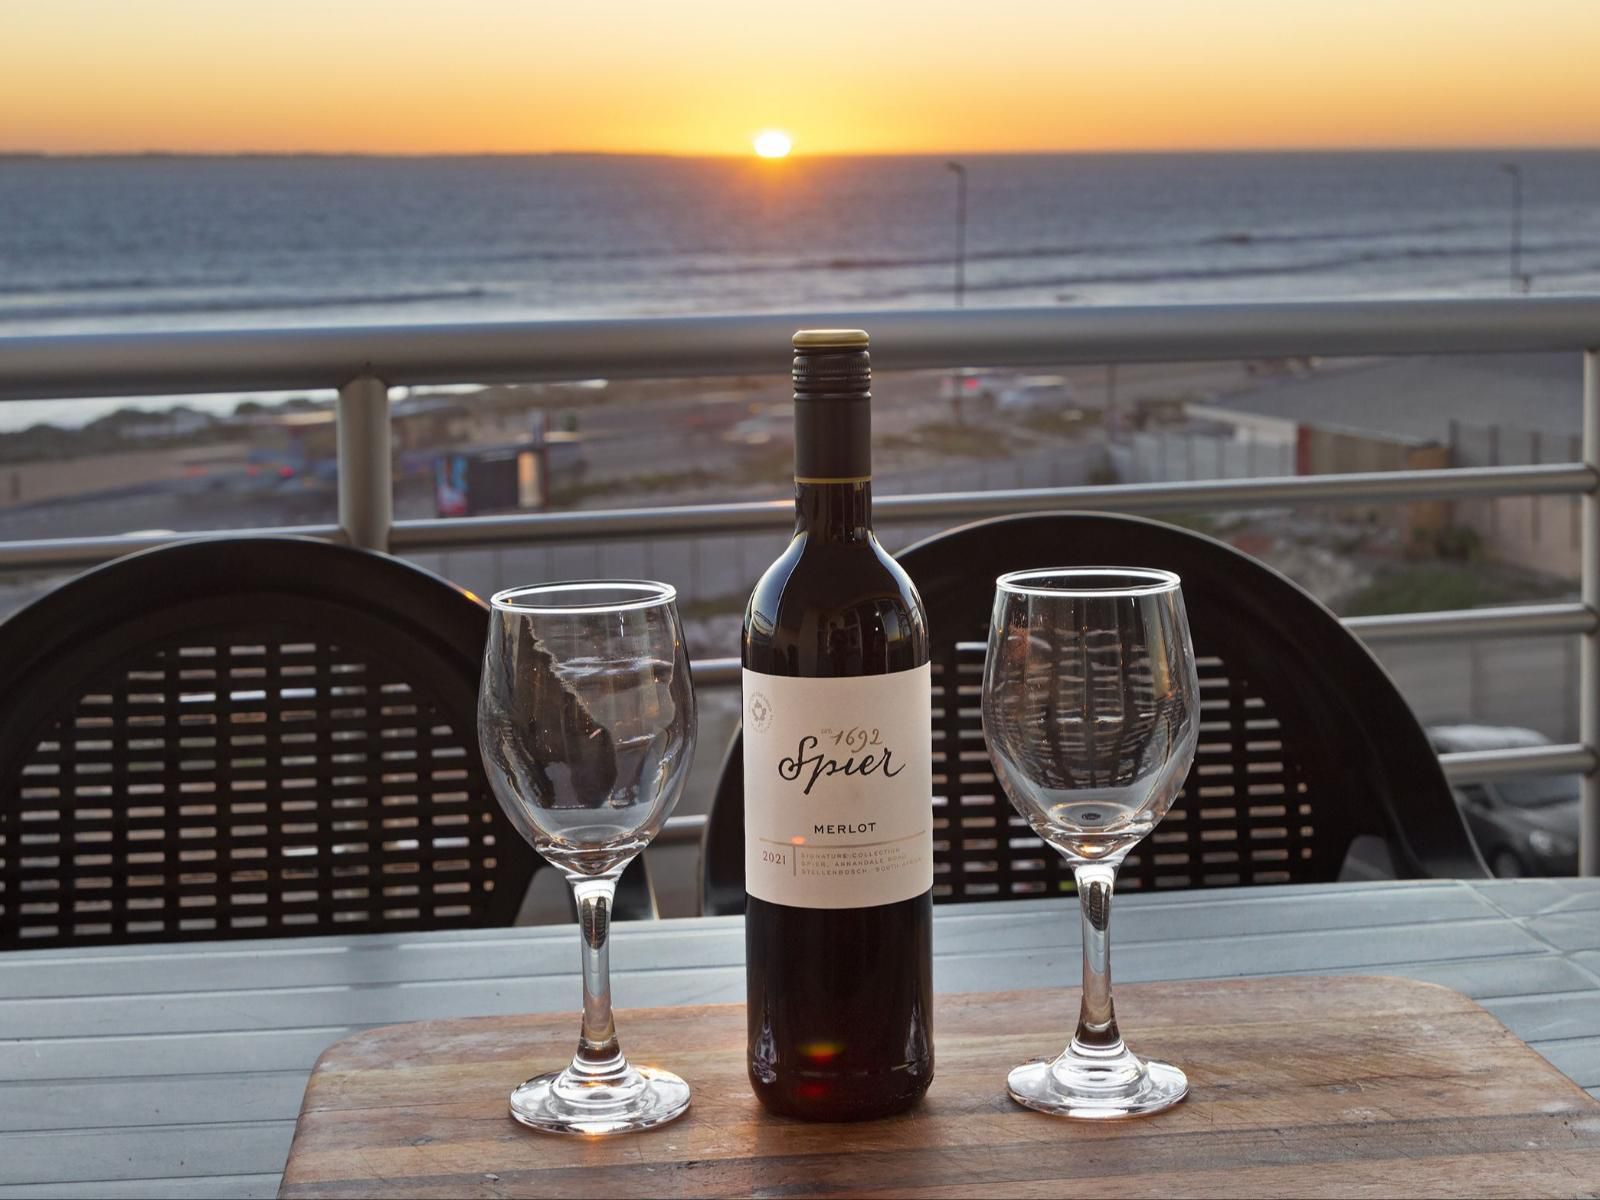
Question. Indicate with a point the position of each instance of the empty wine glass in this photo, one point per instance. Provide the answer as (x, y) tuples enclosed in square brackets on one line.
[(1090, 705), (586, 720)]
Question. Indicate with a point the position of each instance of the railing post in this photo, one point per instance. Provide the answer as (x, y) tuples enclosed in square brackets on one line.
[(1589, 652), (366, 489)]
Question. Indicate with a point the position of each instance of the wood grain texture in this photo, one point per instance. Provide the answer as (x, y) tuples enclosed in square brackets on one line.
[(1331, 1086)]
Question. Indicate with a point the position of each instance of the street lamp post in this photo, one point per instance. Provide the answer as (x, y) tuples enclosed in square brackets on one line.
[(961, 231), (1519, 281)]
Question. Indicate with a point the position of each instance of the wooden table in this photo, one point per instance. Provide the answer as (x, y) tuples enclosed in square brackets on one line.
[(178, 1070)]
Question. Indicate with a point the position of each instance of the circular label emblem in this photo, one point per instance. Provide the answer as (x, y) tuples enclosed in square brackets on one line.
[(760, 712)]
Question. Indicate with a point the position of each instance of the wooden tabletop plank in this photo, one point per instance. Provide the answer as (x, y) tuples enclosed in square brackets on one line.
[(1559, 1016), (504, 953), (1052, 962), (160, 1100), (501, 955), (233, 1052), (205, 1187), (1568, 930), (1531, 897), (258, 1008), (1347, 949), (1301, 906), (146, 1152), (1304, 906), (1576, 1058), (653, 945), (1496, 978), (1141, 917)]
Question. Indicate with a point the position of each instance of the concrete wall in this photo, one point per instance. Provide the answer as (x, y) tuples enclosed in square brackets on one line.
[(1155, 455), (1531, 682), (1538, 532), (26, 483), (1331, 452)]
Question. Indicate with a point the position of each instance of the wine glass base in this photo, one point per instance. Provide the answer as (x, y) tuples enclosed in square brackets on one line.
[(639, 1098), (1069, 1087)]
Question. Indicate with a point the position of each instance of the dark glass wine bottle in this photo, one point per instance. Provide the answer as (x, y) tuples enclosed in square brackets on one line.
[(838, 780)]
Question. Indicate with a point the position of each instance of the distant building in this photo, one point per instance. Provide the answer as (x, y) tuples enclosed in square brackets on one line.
[(1464, 411), (141, 425)]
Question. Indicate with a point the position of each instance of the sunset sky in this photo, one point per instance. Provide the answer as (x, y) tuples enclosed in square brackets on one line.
[(704, 76)]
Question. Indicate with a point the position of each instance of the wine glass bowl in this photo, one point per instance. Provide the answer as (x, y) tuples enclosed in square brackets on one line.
[(1089, 722), (1090, 712), (586, 722)]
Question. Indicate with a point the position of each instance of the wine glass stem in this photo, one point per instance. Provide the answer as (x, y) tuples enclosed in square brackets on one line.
[(599, 1055), (1097, 1019)]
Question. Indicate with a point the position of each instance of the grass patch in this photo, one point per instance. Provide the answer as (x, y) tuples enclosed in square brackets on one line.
[(712, 606), (1065, 421), (772, 464), (576, 492), (1197, 522), (949, 439), (1429, 587)]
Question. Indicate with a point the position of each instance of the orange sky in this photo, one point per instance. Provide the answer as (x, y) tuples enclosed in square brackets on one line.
[(872, 76)]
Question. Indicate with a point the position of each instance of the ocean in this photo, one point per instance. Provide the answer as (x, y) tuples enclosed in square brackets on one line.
[(170, 243)]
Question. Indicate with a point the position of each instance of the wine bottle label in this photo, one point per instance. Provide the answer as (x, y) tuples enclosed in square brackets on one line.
[(838, 789)]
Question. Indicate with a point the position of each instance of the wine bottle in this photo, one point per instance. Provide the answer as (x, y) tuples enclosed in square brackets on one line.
[(838, 779)]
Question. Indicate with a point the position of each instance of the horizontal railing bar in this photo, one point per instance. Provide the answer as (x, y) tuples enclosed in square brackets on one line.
[(1474, 766), (39, 368), (1464, 767), (1478, 765), (90, 551), (754, 516), (716, 672), (682, 830), (1461, 767), (1521, 620), (1387, 486), (684, 520)]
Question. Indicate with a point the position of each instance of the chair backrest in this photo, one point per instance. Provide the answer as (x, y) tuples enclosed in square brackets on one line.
[(247, 737), (1305, 742)]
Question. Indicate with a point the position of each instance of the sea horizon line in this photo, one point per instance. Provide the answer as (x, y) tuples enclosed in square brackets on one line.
[(26, 154)]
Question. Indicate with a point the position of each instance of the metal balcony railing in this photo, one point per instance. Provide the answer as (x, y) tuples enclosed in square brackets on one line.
[(364, 363)]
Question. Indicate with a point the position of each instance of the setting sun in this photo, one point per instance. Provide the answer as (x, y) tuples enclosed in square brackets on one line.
[(773, 143)]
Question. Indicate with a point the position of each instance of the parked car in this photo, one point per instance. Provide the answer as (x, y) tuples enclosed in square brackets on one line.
[(970, 385), (1527, 825), (1036, 393)]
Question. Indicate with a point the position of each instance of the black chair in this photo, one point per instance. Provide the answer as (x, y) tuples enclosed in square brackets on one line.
[(247, 737), (1305, 742)]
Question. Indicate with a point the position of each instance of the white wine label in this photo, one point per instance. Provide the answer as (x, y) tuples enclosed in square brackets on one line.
[(838, 789)]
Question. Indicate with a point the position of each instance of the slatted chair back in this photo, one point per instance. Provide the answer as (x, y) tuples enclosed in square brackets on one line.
[(1305, 742), (249, 737)]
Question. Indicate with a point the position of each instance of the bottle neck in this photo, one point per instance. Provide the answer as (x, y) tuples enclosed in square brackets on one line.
[(835, 511), (833, 444)]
